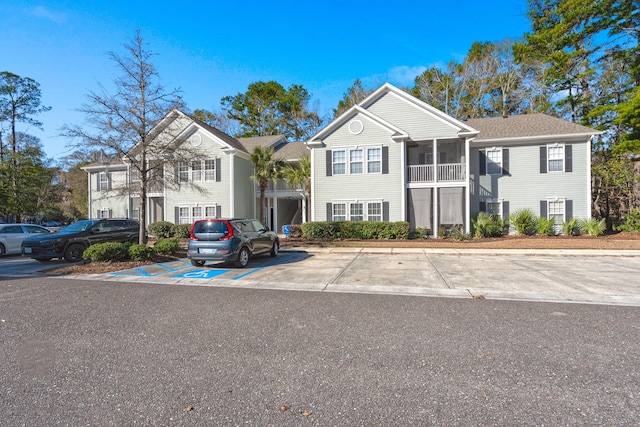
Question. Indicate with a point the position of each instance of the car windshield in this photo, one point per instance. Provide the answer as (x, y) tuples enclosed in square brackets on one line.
[(77, 227)]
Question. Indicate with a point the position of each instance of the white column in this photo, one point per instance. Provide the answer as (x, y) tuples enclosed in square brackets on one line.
[(467, 195), (403, 174)]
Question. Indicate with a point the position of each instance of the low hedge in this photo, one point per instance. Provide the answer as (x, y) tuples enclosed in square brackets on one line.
[(161, 229), (105, 252), (355, 230), (167, 246), (181, 231), (140, 252)]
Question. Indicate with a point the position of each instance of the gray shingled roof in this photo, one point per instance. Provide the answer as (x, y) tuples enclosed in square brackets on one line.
[(259, 141), (526, 125), (292, 151)]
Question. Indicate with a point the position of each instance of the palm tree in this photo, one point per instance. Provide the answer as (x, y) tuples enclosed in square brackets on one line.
[(301, 175), (266, 168)]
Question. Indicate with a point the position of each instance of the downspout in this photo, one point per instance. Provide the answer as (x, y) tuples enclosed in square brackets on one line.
[(313, 186), (232, 198), (436, 218), (403, 181), (589, 189), (90, 201)]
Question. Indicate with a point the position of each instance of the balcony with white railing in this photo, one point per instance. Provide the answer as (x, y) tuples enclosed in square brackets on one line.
[(448, 172), (282, 186)]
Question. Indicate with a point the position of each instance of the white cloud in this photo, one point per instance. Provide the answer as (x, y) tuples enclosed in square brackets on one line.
[(402, 75), (42, 12)]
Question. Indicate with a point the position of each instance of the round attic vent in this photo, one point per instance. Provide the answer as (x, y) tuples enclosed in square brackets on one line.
[(355, 127), (195, 140)]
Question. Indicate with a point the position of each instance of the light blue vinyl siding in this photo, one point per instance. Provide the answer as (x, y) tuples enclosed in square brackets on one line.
[(525, 186)]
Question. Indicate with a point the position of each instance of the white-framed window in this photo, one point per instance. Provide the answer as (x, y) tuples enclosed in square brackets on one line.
[(356, 161), (184, 215), (339, 162), (374, 211), (555, 211), (183, 172), (134, 174), (196, 170), (494, 207), (357, 211), (104, 213), (210, 211), (196, 213), (555, 158), (339, 212), (210, 170), (374, 160), (494, 161), (103, 181)]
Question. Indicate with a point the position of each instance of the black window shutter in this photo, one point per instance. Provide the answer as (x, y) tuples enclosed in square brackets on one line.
[(218, 211), (218, 169), (483, 206), (329, 212), (176, 219), (543, 208), (543, 159), (385, 211), (505, 209), (329, 163), (568, 210), (505, 161), (385, 160), (568, 158), (483, 163)]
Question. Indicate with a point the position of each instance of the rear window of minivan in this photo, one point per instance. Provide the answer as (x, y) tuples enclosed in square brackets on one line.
[(211, 227)]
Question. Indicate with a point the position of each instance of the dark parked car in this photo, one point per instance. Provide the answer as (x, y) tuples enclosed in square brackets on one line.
[(233, 240), (70, 242), (12, 235)]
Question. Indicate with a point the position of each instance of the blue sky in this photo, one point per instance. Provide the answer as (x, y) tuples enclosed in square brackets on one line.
[(211, 49)]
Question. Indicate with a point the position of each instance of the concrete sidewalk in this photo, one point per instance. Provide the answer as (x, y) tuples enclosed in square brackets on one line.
[(578, 276)]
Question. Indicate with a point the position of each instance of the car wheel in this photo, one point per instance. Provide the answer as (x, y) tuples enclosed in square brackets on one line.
[(275, 249), (2, 250), (243, 258), (43, 259), (197, 262), (74, 252)]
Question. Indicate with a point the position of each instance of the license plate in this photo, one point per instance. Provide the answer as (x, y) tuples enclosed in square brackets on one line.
[(27, 250), (207, 251)]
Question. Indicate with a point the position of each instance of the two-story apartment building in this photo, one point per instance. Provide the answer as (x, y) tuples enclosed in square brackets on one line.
[(212, 180), (393, 157)]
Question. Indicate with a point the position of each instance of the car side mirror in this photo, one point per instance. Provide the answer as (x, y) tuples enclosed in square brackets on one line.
[(95, 230)]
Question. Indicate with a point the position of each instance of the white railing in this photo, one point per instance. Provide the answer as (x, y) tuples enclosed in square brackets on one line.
[(420, 173), (450, 172)]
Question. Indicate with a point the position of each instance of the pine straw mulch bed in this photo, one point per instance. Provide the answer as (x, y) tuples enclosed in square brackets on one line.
[(618, 241)]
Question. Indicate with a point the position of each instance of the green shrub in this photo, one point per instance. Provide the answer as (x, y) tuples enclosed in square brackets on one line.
[(573, 227), (594, 227), (181, 231), (487, 225), (141, 252), (458, 233), (524, 222), (161, 229), (355, 230), (546, 227), (105, 252), (418, 233), (632, 223), (167, 246)]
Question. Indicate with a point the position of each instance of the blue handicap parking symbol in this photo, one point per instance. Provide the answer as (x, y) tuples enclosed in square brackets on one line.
[(201, 274)]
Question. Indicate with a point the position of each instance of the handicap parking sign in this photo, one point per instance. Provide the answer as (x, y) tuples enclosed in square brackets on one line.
[(286, 229), (201, 274)]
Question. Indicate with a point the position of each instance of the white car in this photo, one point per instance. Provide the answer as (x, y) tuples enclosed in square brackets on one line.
[(12, 235)]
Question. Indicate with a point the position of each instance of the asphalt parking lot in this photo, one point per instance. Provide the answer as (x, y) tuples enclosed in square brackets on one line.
[(559, 276)]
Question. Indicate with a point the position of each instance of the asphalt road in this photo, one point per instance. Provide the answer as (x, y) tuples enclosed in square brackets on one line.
[(76, 352)]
